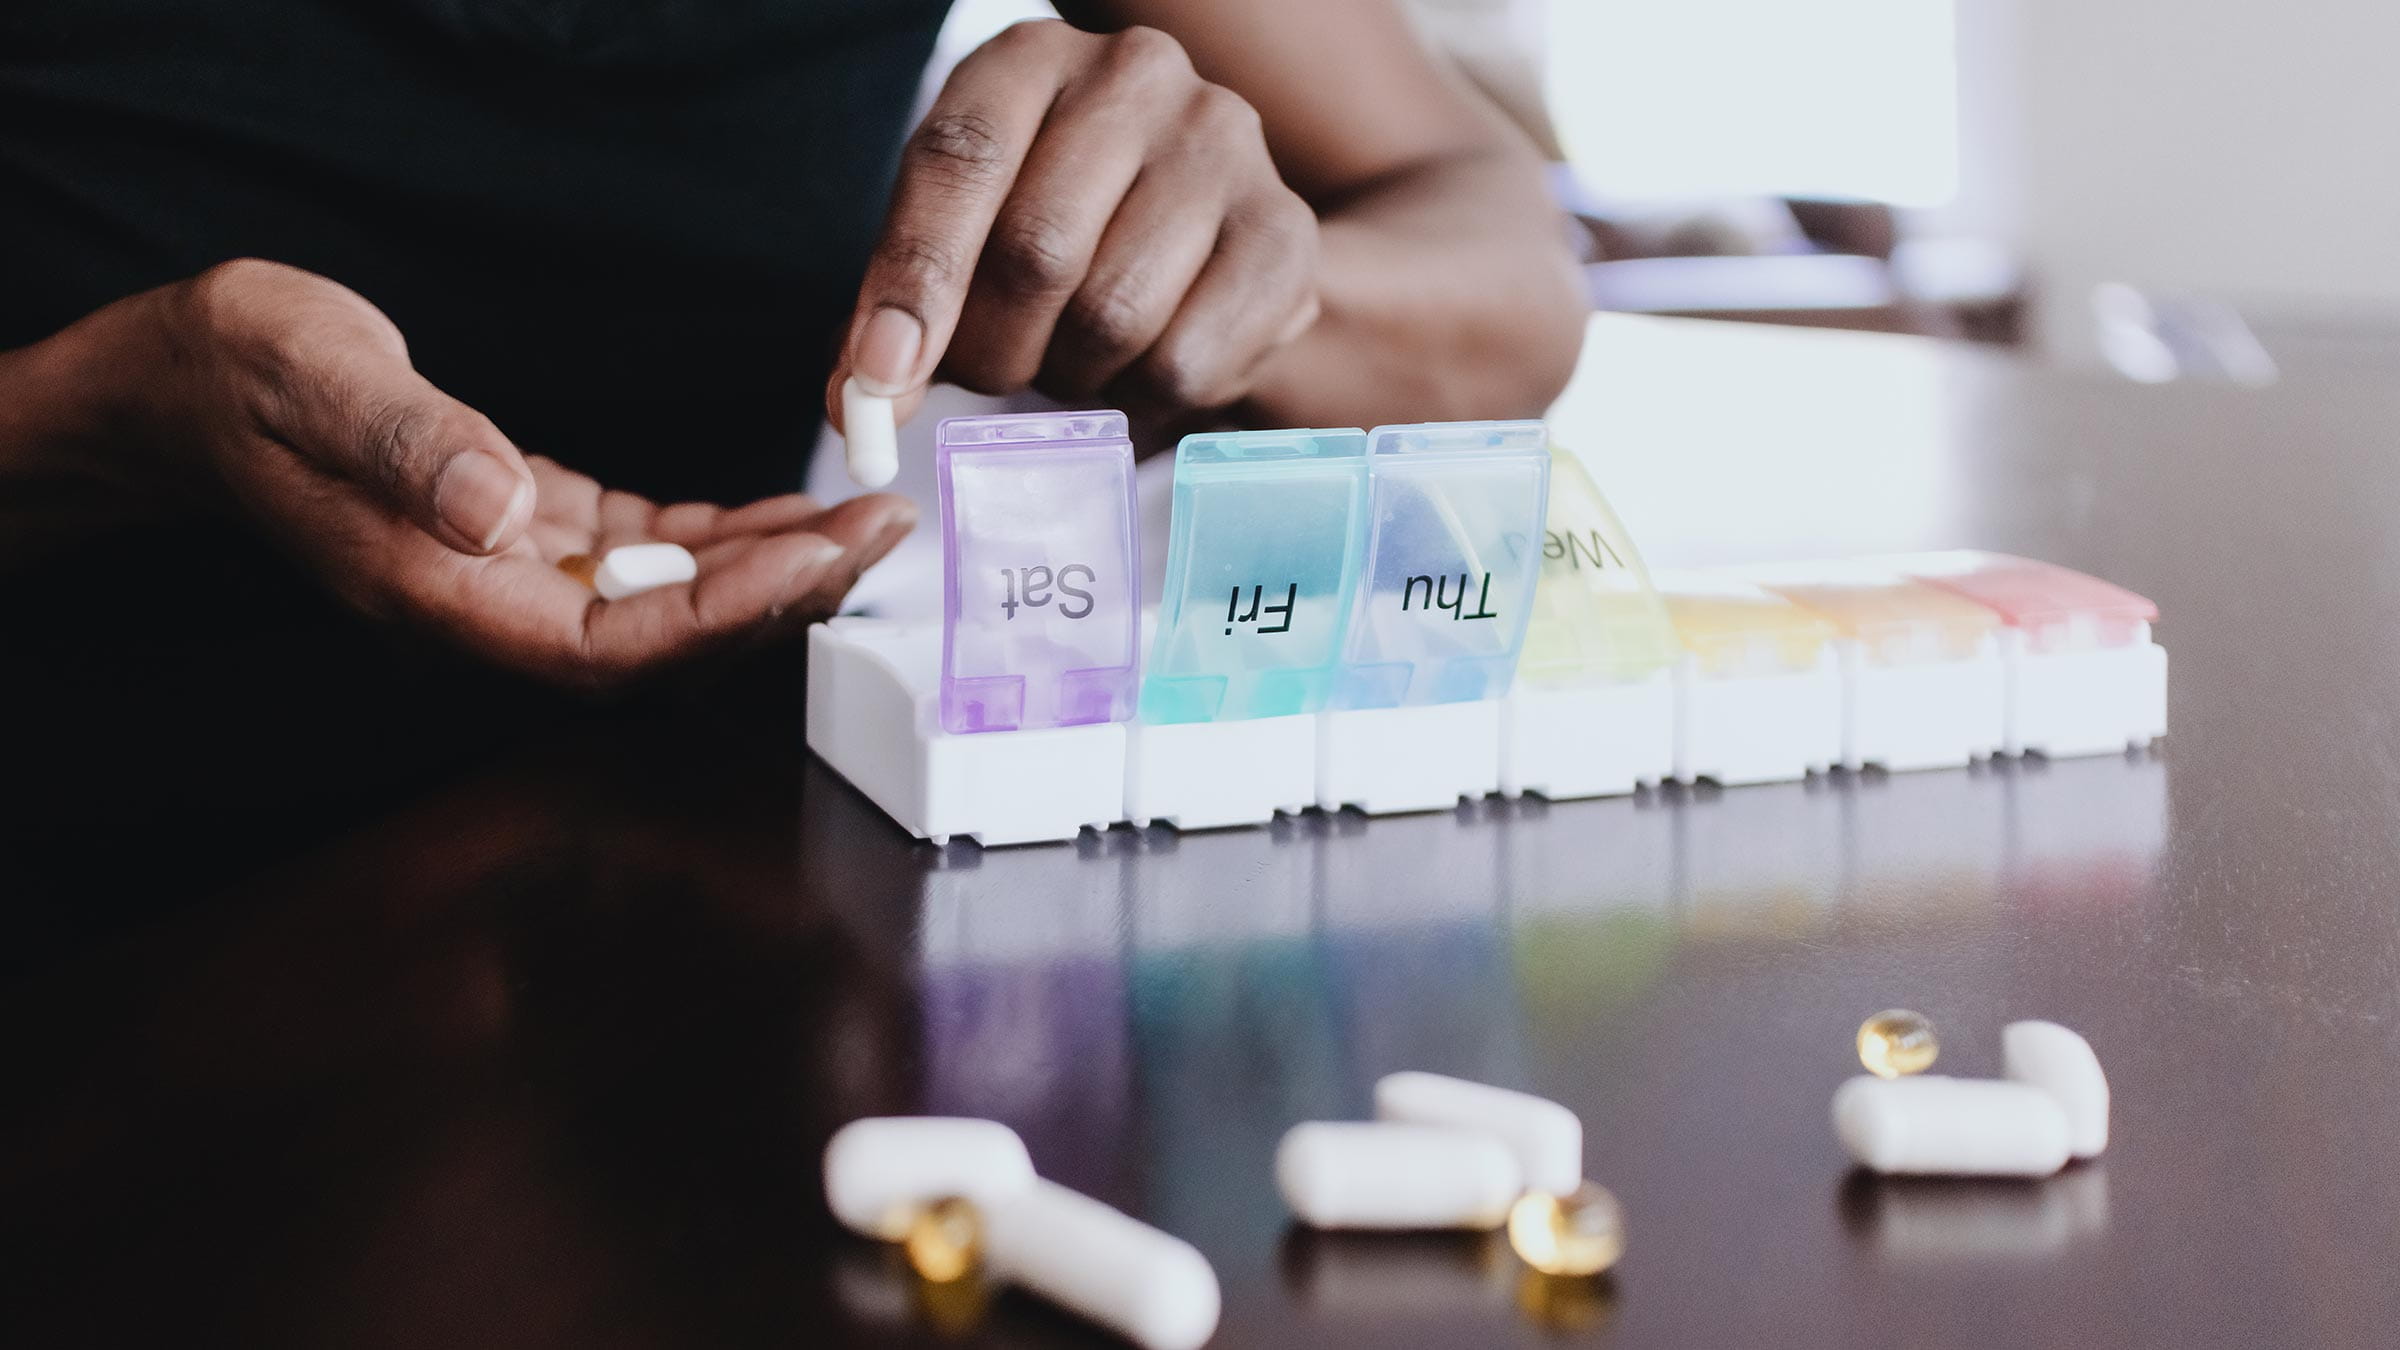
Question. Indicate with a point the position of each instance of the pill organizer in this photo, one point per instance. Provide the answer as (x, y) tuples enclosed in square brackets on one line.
[(1439, 616), (1593, 710), (1395, 620), (1922, 682), (1264, 553)]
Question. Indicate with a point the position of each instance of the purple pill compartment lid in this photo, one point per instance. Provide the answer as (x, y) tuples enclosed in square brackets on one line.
[(1041, 601)]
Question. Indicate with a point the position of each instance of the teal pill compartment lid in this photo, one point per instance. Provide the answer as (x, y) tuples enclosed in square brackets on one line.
[(1454, 549), (1265, 548)]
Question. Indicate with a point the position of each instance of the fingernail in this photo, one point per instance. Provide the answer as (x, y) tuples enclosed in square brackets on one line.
[(885, 361), (479, 497)]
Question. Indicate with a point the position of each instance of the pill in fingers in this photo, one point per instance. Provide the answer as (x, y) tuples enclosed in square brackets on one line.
[(883, 1172), (869, 436), (2050, 1057), (1382, 1175), (1929, 1125), (635, 568), (1148, 1286), (1546, 1137)]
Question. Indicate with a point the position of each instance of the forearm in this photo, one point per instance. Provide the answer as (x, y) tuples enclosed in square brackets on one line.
[(1448, 292)]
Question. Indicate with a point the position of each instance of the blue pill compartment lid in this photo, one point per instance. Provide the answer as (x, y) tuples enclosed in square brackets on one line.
[(1454, 552), (1265, 548)]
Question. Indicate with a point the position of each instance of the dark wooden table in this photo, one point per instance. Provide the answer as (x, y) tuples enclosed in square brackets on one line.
[(545, 1053)]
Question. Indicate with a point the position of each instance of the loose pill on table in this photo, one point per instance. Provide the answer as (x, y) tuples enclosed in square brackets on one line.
[(945, 1240), (2050, 1057), (870, 439), (1927, 1124), (1377, 1174), (1546, 1137), (883, 1171), (1896, 1042), (1582, 1233), (1150, 1287), (635, 568)]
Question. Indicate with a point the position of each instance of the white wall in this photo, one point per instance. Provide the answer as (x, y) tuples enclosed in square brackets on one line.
[(2241, 149)]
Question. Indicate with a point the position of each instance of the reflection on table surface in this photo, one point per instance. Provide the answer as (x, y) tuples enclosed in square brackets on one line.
[(545, 1054)]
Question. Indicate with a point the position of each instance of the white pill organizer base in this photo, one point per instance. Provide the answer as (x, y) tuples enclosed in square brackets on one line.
[(1207, 775), (1738, 731), (1600, 741), (872, 689), (872, 715)]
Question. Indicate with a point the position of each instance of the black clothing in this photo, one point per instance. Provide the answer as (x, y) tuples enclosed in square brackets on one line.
[(629, 232)]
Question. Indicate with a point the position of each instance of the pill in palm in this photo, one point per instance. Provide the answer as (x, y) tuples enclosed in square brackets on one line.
[(1927, 1124), (945, 1240), (1896, 1042), (580, 566), (2048, 1056), (1378, 1174), (1150, 1287), (1582, 1233), (870, 439), (635, 568), (1546, 1137), (882, 1172)]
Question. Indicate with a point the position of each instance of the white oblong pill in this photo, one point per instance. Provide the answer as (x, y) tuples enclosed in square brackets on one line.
[(870, 439), (1934, 1126), (636, 568), (1151, 1287), (1379, 1174), (881, 1170), (1546, 1137), (2050, 1057)]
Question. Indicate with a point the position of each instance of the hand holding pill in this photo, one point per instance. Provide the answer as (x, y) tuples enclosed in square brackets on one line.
[(1081, 212), (296, 397)]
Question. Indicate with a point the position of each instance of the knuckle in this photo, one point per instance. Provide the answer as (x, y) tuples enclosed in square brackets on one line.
[(395, 444), (1111, 316), (960, 146), (918, 262), (1035, 255), (1221, 113), (1146, 54), (1179, 375)]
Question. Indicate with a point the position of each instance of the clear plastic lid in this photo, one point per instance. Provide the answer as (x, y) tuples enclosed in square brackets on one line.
[(1596, 617), (1453, 552), (1896, 621), (1737, 630), (1041, 602), (2058, 608), (1263, 557)]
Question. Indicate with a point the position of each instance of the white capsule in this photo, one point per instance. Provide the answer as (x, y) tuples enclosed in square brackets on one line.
[(1969, 1127), (2050, 1057), (1344, 1174), (1545, 1136), (636, 568), (879, 1172), (1152, 1288), (870, 439)]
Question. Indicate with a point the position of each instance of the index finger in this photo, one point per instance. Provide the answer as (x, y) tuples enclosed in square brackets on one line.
[(955, 171)]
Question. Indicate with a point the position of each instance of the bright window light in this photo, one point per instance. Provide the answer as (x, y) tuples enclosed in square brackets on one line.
[(1709, 98)]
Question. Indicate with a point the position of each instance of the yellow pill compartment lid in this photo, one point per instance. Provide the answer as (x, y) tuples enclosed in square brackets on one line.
[(1597, 619), (1736, 629)]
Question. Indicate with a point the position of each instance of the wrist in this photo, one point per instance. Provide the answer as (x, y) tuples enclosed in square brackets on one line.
[(67, 401)]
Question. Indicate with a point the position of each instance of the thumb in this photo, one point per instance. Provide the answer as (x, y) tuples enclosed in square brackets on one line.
[(424, 454), (348, 400)]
